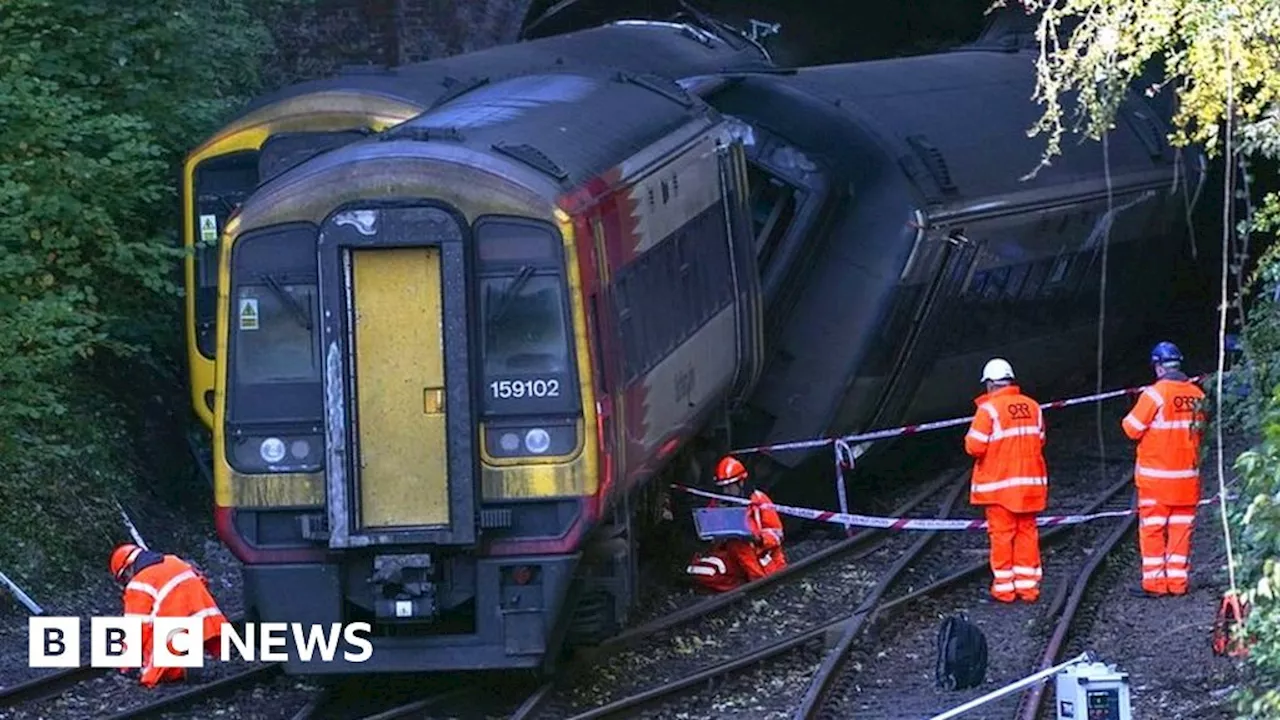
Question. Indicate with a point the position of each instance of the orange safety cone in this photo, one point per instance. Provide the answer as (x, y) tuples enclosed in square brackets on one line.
[(1228, 627)]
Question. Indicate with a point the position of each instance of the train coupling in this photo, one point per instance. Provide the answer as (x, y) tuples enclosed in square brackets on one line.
[(404, 588)]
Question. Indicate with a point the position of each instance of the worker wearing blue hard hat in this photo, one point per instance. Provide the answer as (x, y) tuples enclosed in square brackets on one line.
[(1167, 423)]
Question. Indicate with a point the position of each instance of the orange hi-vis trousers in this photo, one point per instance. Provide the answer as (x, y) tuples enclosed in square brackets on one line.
[(1164, 539), (1015, 554)]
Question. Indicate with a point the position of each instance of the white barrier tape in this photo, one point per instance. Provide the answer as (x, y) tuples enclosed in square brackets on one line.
[(936, 425), (22, 597), (888, 523), (133, 530)]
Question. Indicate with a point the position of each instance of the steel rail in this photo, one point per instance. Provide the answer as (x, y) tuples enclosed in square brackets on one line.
[(55, 683), (588, 657), (407, 709), (1029, 706), (812, 702), (198, 693), (776, 648)]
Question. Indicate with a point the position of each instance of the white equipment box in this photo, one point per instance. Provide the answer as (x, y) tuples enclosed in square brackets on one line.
[(1093, 691)]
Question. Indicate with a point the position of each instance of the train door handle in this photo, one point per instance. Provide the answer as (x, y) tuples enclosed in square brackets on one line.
[(433, 400)]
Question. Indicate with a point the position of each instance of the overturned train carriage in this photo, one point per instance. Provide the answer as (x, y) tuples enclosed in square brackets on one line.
[(900, 249), (287, 127), (451, 351)]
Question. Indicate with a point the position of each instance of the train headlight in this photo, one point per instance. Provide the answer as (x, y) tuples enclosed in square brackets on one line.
[(272, 450), (300, 449), (510, 442), (537, 441)]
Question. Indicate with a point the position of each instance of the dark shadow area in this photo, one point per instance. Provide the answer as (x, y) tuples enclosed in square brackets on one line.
[(811, 32)]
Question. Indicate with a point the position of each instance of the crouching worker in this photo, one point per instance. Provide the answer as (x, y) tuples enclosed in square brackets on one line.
[(158, 585), (732, 562)]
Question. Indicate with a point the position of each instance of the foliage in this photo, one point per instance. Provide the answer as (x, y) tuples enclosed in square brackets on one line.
[(99, 99), (1221, 56)]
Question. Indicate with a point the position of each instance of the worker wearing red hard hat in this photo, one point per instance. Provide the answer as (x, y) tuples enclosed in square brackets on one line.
[(730, 563), (1167, 423), (1010, 480), (157, 585)]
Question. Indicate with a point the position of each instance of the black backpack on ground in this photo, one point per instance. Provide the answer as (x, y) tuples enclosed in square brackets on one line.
[(962, 654)]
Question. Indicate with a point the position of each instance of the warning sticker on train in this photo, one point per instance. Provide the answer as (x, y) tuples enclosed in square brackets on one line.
[(248, 313), (208, 228)]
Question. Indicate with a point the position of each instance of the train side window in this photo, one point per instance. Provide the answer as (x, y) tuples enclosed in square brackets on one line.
[(773, 205), (996, 281)]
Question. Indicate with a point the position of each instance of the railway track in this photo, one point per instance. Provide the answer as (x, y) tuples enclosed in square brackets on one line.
[(833, 688), (55, 684), (544, 702)]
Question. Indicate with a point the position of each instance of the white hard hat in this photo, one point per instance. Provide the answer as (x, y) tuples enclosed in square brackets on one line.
[(997, 369)]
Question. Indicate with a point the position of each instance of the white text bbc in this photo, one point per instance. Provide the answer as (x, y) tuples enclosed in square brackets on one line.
[(116, 642)]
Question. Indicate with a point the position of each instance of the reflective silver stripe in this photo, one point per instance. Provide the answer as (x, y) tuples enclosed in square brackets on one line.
[(980, 437), (777, 534), (1155, 396), (1010, 483), (1152, 562), (1153, 574), (142, 588), (766, 558), (1003, 587), (1133, 422), (1182, 519), (1024, 584), (1171, 424), (168, 587), (699, 570), (1015, 432), (1026, 570), (990, 409), (1147, 502), (1000, 574), (1167, 474), (1176, 573), (714, 561), (1177, 558), (1152, 521)]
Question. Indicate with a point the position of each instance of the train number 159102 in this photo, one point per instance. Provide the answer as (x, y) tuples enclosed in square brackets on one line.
[(505, 389)]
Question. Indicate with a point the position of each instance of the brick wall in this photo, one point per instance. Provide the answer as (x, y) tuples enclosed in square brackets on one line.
[(316, 40)]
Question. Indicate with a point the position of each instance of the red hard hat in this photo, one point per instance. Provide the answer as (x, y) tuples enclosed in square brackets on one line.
[(730, 470), (122, 557)]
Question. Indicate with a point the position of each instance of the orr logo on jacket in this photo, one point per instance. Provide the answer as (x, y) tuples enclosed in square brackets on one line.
[(179, 642)]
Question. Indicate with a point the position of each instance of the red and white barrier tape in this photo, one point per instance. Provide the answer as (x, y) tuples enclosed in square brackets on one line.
[(889, 523), (936, 425)]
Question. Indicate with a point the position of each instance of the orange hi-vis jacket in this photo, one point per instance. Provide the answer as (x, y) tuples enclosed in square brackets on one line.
[(169, 588), (764, 556), (1164, 422), (1006, 438)]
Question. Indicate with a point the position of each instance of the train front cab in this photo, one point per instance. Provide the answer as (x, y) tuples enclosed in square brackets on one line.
[(223, 172), (390, 345)]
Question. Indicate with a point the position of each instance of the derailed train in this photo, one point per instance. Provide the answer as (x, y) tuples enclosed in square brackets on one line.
[(281, 129), (457, 362)]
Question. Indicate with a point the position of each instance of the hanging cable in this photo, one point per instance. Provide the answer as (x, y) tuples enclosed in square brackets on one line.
[(1229, 171), (1102, 305)]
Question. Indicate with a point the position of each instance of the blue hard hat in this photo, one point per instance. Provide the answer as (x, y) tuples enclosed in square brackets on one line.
[(1165, 352)]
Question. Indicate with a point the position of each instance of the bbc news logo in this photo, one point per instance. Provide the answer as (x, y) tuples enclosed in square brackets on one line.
[(178, 642)]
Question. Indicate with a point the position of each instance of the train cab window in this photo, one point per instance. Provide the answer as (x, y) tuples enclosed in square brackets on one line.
[(773, 205), (274, 333), (219, 185), (525, 352), (996, 281)]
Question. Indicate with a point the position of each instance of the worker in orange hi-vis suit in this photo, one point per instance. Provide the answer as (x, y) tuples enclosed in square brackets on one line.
[(730, 563), (1167, 423), (1010, 480), (158, 585)]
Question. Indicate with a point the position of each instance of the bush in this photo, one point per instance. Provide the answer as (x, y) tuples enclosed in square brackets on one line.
[(99, 100), (1256, 514)]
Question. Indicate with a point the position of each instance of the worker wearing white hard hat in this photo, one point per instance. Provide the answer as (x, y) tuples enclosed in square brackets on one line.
[(1010, 480)]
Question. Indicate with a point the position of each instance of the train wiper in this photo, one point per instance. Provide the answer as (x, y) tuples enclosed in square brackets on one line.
[(289, 301), (507, 298)]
